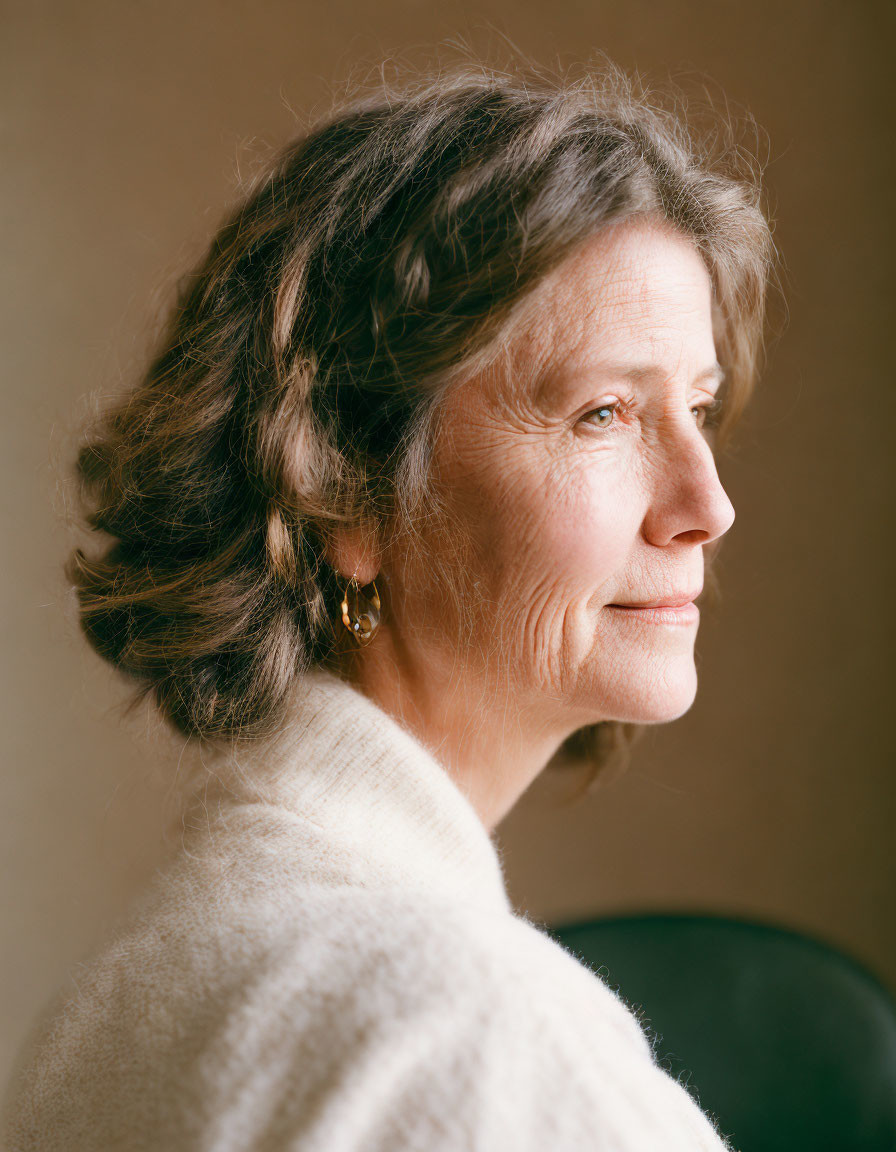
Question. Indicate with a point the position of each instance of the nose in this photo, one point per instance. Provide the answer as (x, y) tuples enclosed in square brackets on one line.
[(689, 504)]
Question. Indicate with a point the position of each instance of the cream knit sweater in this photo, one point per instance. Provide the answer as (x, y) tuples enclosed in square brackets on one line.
[(330, 962)]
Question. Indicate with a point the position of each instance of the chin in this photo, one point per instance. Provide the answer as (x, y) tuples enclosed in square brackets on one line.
[(660, 699), (669, 711)]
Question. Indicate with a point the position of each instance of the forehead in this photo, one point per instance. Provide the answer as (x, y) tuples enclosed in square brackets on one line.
[(637, 291)]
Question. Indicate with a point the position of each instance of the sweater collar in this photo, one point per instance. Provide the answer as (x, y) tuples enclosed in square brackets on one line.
[(345, 765)]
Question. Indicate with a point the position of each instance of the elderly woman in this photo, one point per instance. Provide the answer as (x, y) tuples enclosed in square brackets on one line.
[(414, 500)]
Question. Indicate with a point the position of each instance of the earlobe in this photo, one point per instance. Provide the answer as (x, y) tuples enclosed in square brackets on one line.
[(353, 551)]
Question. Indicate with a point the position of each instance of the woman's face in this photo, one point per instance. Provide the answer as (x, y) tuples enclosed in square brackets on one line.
[(593, 488)]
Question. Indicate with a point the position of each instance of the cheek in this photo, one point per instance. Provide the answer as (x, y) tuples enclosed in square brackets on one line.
[(570, 527), (588, 533)]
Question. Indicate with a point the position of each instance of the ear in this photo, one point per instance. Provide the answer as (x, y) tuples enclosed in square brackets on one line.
[(354, 550)]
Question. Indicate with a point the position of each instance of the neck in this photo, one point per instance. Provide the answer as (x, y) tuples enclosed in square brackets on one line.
[(491, 746)]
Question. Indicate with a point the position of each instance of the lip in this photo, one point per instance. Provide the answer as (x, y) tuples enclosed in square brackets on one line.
[(673, 601), (687, 613)]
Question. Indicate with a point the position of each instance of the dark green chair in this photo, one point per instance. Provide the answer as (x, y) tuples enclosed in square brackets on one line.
[(788, 1042)]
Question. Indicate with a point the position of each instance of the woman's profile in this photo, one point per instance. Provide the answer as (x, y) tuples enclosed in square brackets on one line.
[(414, 501)]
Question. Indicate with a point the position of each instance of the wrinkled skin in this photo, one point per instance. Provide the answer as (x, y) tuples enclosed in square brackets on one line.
[(564, 508)]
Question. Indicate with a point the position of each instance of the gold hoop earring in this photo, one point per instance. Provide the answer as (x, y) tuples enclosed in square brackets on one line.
[(360, 612)]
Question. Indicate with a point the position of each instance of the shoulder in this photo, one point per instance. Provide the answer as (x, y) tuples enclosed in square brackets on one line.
[(340, 1017)]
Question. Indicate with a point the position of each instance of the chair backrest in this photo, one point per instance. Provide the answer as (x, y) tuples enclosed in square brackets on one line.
[(788, 1042)]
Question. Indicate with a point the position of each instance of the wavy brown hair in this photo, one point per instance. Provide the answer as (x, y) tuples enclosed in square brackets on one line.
[(384, 255)]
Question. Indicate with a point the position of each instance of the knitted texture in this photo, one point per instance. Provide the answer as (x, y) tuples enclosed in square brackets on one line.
[(330, 963)]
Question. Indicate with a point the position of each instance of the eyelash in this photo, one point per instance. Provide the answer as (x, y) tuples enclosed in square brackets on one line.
[(711, 411)]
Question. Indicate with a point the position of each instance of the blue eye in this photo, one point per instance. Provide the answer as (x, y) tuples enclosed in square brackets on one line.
[(708, 414), (602, 410), (604, 416)]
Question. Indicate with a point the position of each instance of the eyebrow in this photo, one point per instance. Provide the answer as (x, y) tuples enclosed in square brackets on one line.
[(636, 373), (651, 371)]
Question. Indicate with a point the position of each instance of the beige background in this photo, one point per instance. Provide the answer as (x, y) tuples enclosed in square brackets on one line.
[(124, 127)]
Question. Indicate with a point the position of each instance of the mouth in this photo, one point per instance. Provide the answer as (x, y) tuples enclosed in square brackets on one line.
[(686, 613), (673, 600)]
